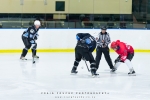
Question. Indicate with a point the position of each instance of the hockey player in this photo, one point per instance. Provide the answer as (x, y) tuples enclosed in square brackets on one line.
[(126, 53), (28, 37), (83, 50)]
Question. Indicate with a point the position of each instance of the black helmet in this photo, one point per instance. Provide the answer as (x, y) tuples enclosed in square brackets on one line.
[(103, 28)]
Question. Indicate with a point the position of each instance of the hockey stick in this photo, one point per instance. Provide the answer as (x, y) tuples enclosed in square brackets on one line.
[(87, 66), (33, 61)]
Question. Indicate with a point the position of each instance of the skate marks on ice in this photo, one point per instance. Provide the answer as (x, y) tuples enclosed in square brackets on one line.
[(25, 81)]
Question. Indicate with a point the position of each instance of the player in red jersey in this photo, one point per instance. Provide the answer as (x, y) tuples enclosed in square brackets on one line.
[(126, 53)]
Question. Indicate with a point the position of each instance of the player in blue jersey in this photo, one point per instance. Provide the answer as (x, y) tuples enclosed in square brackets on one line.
[(29, 38), (84, 48)]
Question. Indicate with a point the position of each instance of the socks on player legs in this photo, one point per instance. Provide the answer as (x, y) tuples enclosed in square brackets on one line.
[(129, 64), (34, 52), (76, 63), (24, 52), (117, 65)]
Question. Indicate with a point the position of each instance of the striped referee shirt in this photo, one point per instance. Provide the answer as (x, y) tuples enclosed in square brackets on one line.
[(105, 37)]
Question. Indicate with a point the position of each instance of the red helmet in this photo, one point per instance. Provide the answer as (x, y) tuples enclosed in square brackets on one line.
[(118, 41), (113, 44)]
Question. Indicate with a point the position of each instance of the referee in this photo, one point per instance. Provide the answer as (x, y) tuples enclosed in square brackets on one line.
[(102, 47)]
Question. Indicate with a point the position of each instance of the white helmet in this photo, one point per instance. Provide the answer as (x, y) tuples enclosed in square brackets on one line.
[(37, 22)]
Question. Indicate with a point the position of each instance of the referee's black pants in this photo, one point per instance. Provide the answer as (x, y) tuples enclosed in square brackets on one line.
[(105, 51)]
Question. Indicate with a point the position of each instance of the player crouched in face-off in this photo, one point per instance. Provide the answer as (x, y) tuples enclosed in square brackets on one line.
[(29, 38), (83, 50), (126, 53)]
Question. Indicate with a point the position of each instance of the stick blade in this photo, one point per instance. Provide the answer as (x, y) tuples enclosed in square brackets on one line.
[(33, 62)]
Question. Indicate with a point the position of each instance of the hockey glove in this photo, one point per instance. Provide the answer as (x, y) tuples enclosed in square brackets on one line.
[(32, 42), (35, 38), (117, 60)]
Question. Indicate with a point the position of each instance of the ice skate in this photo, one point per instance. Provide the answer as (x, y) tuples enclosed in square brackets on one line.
[(73, 71), (93, 72), (113, 70), (22, 58), (132, 73), (36, 57)]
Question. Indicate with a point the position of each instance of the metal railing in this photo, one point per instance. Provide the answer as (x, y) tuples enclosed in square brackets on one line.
[(75, 24)]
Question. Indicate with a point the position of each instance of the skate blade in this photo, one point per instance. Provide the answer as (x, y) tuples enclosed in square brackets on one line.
[(73, 73), (36, 58), (113, 72), (132, 74), (23, 60), (95, 76)]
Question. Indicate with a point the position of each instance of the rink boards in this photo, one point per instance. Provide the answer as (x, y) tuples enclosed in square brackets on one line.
[(64, 40)]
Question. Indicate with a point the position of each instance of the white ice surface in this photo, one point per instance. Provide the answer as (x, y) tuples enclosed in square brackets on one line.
[(24, 81)]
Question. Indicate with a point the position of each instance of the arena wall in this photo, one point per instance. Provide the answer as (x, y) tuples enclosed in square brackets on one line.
[(64, 40)]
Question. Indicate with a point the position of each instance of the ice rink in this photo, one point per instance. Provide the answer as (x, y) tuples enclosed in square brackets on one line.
[(21, 80)]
